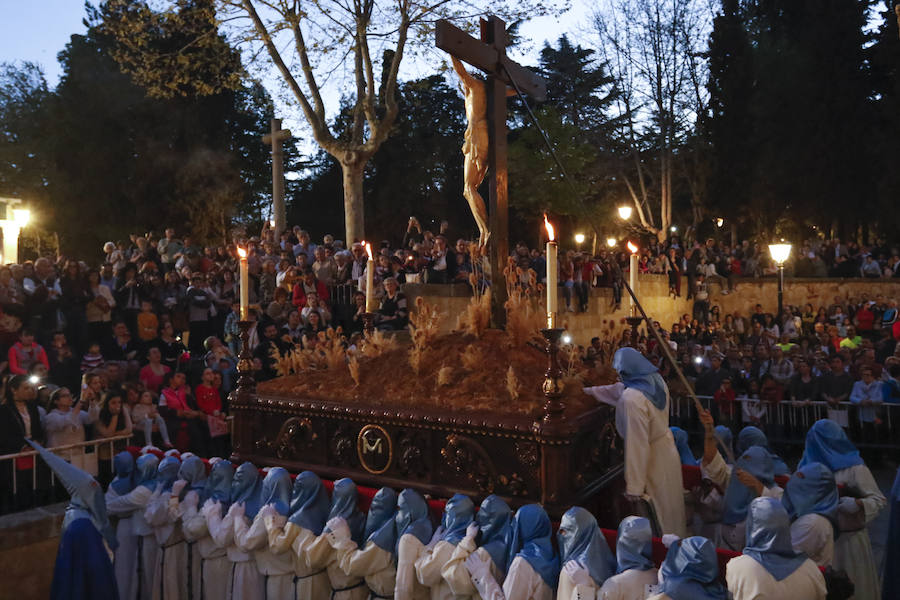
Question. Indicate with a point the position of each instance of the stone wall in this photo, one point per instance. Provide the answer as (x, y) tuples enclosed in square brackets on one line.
[(653, 293), (28, 544)]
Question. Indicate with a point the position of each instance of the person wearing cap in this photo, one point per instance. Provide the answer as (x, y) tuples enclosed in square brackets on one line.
[(769, 567), (635, 569), (83, 569), (459, 516), (493, 521), (652, 464), (374, 560)]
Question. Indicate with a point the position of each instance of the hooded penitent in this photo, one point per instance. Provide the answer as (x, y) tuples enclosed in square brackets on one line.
[(309, 503), (753, 436), (494, 521), (380, 520), (193, 472), (757, 462), (412, 517), (245, 488), (827, 443), (344, 504), (218, 484), (691, 571), (123, 466), (812, 490), (634, 545), (530, 539), (458, 514), (580, 540), (769, 538), (637, 372), (276, 490)]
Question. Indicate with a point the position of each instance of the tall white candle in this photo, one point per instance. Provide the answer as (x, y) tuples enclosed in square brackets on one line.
[(552, 265), (370, 281), (245, 284)]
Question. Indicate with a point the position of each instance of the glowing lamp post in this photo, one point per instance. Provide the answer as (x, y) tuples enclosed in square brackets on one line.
[(625, 212), (780, 253), (632, 272), (611, 242), (579, 240), (11, 229)]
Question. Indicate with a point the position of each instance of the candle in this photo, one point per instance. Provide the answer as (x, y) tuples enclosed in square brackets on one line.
[(370, 280), (552, 295), (632, 275), (245, 284)]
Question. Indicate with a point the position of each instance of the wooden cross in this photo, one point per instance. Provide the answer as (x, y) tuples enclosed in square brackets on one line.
[(275, 138), (489, 55)]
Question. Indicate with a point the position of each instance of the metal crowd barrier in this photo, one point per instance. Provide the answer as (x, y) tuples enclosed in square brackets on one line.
[(341, 294), (787, 422), (94, 444)]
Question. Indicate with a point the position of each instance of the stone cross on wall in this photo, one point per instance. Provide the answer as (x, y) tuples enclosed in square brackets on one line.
[(276, 138)]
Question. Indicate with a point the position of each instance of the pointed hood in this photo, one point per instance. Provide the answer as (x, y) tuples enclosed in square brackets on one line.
[(145, 471), (309, 503), (218, 484), (167, 473), (634, 545), (637, 372), (86, 495), (344, 504), (580, 540), (380, 520), (691, 571), (531, 538), (828, 444), (123, 466), (494, 520), (276, 490), (192, 471), (245, 488), (459, 512), (412, 517), (769, 538)]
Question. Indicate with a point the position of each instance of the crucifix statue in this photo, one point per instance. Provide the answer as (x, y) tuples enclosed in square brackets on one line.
[(485, 141), (275, 138)]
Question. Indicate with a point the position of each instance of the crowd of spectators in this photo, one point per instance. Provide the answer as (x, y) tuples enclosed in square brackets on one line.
[(753, 366), (143, 340)]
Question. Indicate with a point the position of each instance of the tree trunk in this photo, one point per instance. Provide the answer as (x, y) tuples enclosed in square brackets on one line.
[(354, 206)]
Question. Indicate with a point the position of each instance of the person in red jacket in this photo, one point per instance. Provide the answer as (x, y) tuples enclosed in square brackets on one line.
[(865, 320), (306, 284), (26, 352)]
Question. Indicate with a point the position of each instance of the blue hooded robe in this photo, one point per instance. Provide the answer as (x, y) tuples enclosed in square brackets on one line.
[(494, 522), (634, 545), (530, 538), (579, 539), (691, 571), (83, 569), (769, 538)]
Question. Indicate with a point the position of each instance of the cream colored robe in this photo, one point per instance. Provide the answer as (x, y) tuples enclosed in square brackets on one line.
[(276, 569), (628, 585), (407, 586), (522, 583), (245, 582), (134, 503), (429, 567), (321, 555), (374, 564), (309, 584), (170, 574), (567, 590), (212, 568), (652, 464), (749, 580), (457, 575), (813, 535), (853, 550)]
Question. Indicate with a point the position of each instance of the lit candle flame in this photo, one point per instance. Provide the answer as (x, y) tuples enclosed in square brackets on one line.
[(551, 235), (368, 249), (242, 252), (632, 247)]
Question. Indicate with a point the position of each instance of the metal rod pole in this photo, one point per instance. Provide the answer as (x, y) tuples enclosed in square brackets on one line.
[(780, 294)]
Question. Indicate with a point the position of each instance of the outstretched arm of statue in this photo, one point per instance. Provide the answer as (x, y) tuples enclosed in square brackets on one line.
[(464, 76)]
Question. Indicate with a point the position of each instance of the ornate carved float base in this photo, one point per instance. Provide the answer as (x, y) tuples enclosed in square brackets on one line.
[(578, 461)]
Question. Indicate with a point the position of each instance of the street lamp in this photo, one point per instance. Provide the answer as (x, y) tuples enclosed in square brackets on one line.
[(780, 253), (624, 212), (579, 239), (719, 222), (21, 216), (611, 242)]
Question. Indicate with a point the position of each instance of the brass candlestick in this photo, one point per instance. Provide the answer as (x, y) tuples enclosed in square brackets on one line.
[(553, 384), (368, 324), (246, 384)]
